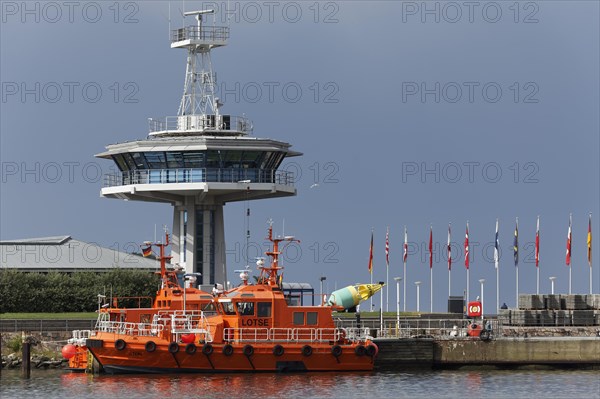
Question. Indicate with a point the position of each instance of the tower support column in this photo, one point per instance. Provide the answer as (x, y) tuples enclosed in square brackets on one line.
[(199, 241)]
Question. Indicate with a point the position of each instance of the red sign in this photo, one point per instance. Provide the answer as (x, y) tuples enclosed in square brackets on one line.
[(474, 309)]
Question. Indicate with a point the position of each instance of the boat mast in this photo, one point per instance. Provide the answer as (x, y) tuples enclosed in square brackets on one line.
[(269, 274)]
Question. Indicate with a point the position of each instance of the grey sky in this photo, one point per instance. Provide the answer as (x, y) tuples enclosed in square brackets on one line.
[(361, 120)]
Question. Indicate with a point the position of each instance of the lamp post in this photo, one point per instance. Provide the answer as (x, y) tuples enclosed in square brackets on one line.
[(323, 278), (552, 282), (418, 283), (481, 281), (398, 279)]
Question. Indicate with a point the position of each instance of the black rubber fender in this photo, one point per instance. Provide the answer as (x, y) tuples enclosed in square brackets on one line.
[(248, 350), (227, 350), (336, 350), (307, 350), (120, 344), (173, 347), (150, 346), (278, 350)]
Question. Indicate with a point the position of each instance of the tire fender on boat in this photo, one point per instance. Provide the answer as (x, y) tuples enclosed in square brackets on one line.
[(227, 350), (278, 350), (336, 350), (120, 344), (307, 350), (150, 346), (207, 349), (248, 350), (372, 350), (484, 335), (360, 350), (190, 349), (173, 347)]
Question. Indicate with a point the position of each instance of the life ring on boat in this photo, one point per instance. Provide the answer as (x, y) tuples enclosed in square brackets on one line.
[(227, 350), (372, 350), (120, 344), (207, 349), (336, 350), (248, 350), (360, 350), (278, 350), (307, 350), (173, 347), (150, 346)]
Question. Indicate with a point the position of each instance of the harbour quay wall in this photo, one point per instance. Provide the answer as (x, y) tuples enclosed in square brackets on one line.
[(501, 352)]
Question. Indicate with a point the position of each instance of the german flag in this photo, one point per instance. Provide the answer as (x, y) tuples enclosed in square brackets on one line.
[(147, 251), (371, 254)]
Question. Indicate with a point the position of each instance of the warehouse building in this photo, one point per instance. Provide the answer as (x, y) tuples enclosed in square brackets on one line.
[(67, 255)]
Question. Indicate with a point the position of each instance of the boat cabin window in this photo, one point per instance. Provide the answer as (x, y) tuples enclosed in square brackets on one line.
[(228, 308), (311, 318), (209, 308), (264, 309), (245, 308), (298, 318)]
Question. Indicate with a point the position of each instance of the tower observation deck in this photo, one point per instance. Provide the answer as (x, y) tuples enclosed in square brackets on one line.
[(198, 160)]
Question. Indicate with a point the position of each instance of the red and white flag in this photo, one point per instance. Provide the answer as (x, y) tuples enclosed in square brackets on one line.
[(387, 247), (430, 247), (568, 260), (467, 247), (449, 250), (537, 243), (405, 245)]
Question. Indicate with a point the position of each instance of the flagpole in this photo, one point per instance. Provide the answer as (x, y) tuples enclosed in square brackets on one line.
[(430, 269), (404, 293), (590, 280), (589, 245), (404, 261), (387, 289), (449, 291), (449, 264), (569, 246), (517, 288), (537, 256), (467, 285), (496, 264), (516, 257), (371, 296), (497, 291), (387, 270), (371, 265), (431, 290), (467, 257)]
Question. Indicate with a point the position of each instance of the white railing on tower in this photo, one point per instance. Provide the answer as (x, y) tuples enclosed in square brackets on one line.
[(200, 123), (198, 175)]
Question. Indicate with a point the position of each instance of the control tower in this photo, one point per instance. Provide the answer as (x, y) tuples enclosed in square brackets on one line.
[(199, 160)]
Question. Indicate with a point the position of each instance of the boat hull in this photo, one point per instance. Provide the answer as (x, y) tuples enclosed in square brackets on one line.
[(135, 359)]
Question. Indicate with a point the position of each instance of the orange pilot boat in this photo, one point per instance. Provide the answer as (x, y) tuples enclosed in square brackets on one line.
[(248, 328)]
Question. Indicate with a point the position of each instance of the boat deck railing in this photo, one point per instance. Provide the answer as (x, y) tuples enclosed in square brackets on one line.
[(198, 175), (128, 328), (295, 334), (79, 337)]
